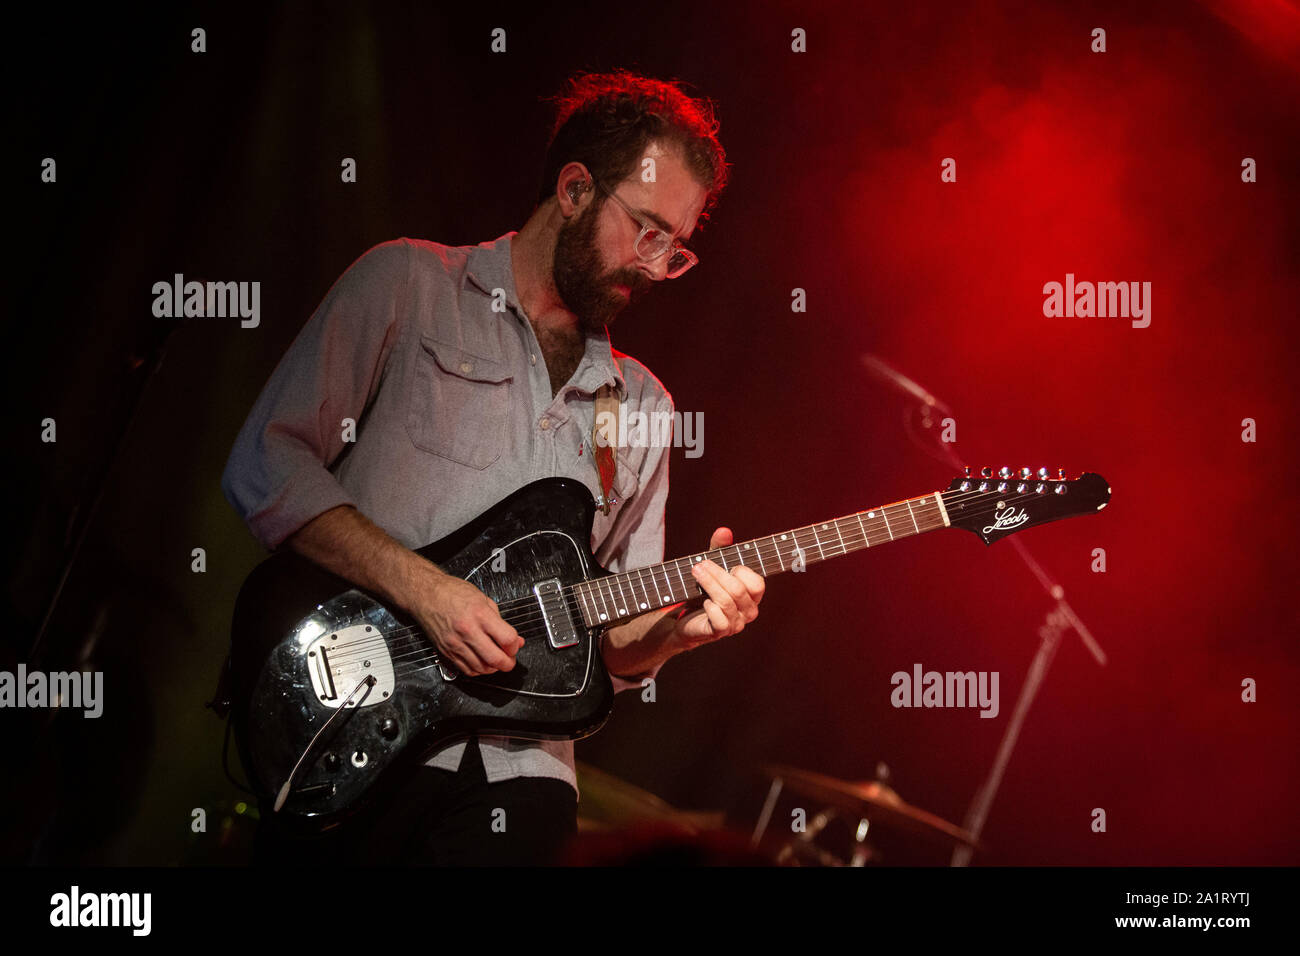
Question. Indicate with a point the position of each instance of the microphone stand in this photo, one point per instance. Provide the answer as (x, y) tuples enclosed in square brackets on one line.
[(1060, 618)]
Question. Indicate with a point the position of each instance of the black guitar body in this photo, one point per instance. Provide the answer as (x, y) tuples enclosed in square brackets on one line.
[(307, 646)]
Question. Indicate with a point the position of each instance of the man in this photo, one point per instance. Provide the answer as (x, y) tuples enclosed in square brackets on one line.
[(469, 372)]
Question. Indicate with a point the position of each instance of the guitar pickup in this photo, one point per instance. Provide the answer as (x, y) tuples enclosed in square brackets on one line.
[(555, 612)]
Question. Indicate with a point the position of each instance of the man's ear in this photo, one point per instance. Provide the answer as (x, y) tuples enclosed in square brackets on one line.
[(574, 181)]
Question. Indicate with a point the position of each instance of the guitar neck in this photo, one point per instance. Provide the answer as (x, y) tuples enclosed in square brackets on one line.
[(619, 597)]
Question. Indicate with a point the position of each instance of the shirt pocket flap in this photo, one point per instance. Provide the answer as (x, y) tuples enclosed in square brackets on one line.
[(460, 362)]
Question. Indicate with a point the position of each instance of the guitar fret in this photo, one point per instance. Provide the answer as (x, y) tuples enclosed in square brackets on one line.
[(819, 542), (758, 552), (678, 568), (640, 576), (604, 615), (586, 608), (912, 515), (843, 550), (631, 586), (776, 547), (865, 537), (619, 580), (884, 513)]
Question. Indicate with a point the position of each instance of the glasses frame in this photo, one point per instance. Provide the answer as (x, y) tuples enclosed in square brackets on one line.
[(674, 244)]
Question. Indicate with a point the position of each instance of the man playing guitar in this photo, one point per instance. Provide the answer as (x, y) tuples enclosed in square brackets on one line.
[(434, 380)]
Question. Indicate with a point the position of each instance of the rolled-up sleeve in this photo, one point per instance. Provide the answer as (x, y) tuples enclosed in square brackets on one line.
[(277, 477), (637, 538)]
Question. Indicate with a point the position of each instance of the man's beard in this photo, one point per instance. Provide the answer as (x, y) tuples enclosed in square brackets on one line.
[(576, 271)]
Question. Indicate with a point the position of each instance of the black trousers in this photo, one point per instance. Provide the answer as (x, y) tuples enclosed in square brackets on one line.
[(441, 818)]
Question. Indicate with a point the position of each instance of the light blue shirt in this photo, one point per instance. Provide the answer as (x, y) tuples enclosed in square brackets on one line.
[(427, 349)]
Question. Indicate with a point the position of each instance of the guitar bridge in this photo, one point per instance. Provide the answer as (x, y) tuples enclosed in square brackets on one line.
[(555, 612), (339, 658)]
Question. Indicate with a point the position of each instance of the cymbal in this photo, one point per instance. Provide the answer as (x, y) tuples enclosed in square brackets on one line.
[(871, 799), (607, 801)]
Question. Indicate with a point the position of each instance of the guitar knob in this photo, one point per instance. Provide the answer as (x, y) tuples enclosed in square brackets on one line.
[(1059, 490), (388, 728), (968, 471), (1042, 474), (1060, 474), (1004, 472), (1025, 473), (331, 762), (986, 472)]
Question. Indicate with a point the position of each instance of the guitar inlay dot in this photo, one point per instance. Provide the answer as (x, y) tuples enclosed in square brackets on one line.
[(643, 605), (602, 617), (871, 514)]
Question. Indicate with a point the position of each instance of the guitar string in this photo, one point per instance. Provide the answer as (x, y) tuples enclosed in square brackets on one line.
[(535, 621), (760, 544), (356, 649)]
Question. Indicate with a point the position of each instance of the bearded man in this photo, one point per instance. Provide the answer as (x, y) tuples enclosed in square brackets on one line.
[(469, 372)]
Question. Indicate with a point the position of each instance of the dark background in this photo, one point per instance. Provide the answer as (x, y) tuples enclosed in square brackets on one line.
[(1117, 166)]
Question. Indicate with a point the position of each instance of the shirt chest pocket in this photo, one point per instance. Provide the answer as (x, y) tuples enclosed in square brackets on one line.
[(460, 404)]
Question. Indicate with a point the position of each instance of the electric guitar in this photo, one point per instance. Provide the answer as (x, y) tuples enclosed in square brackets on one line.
[(336, 695)]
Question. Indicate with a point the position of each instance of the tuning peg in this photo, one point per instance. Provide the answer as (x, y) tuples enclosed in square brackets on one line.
[(986, 472), (1004, 472)]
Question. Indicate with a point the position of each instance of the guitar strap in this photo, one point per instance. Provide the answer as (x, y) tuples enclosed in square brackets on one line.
[(602, 441)]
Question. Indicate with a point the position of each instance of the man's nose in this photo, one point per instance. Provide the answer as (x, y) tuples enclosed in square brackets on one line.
[(656, 268)]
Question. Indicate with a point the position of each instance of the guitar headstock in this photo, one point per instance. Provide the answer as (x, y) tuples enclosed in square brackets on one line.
[(993, 505)]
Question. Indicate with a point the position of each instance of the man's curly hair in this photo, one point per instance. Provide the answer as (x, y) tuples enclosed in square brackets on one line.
[(606, 120)]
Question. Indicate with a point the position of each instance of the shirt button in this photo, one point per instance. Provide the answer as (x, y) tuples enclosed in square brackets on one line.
[(546, 423), (533, 358), (466, 367)]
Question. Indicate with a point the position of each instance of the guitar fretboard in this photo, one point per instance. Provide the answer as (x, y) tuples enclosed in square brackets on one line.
[(618, 597)]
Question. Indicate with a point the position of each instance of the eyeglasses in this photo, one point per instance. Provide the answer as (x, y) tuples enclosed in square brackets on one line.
[(653, 242)]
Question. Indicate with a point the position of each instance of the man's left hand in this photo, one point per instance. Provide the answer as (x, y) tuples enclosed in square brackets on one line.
[(731, 602)]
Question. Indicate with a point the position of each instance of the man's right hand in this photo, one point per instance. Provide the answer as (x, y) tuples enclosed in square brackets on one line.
[(463, 622), (466, 627)]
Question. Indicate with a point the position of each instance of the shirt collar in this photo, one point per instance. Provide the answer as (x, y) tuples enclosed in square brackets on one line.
[(489, 267)]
